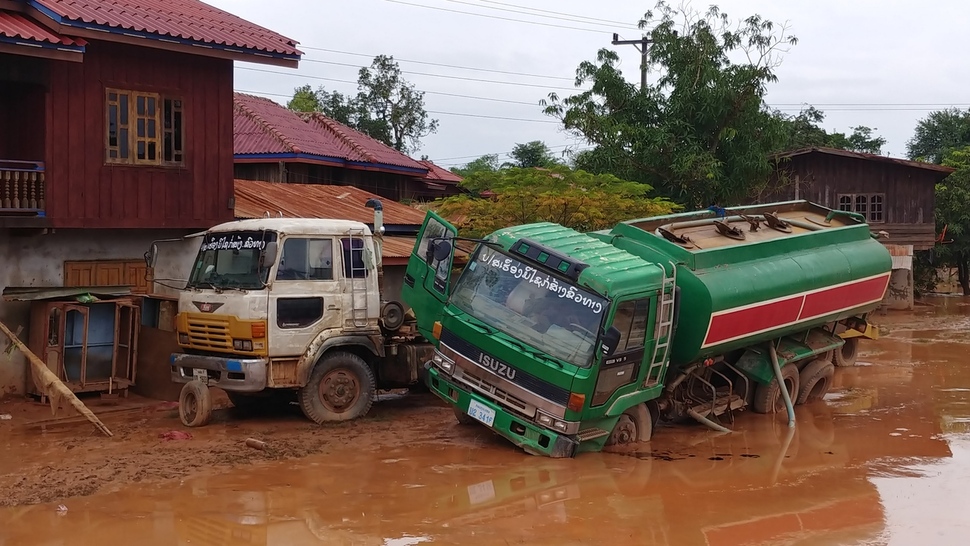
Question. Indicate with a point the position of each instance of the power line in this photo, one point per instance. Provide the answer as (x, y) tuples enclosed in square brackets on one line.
[(438, 112), (556, 12), (494, 16), (587, 21), (477, 69), (417, 74)]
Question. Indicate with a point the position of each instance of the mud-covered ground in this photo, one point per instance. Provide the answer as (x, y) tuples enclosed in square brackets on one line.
[(883, 459), (44, 459)]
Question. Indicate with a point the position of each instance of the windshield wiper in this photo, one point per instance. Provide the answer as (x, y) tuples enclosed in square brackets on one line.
[(527, 350)]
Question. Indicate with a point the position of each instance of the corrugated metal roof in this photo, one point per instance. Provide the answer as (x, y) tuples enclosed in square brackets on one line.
[(255, 198), (181, 19), (440, 173), (868, 157), (17, 26), (261, 126)]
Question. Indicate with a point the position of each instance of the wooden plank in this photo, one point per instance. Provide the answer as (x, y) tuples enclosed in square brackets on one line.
[(79, 273)]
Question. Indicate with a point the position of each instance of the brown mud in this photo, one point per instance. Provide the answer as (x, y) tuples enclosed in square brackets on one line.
[(883, 459)]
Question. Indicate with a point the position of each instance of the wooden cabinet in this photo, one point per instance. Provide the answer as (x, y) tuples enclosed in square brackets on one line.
[(89, 346), (133, 273)]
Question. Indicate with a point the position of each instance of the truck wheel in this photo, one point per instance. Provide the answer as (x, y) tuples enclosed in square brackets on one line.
[(846, 355), (195, 404), (463, 418), (814, 381), (768, 399), (341, 388), (635, 426)]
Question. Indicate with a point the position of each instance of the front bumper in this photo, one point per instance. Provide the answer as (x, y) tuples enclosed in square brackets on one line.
[(532, 438), (230, 374)]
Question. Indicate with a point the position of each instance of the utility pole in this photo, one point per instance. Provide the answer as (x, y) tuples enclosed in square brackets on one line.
[(642, 46)]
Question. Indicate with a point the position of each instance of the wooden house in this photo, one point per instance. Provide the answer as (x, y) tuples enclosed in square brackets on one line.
[(275, 144), (896, 196), (117, 129)]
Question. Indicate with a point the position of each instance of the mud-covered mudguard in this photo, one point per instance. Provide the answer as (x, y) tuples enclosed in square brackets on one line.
[(329, 339)]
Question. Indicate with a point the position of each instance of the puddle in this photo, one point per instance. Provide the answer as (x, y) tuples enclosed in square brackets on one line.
[(884, 459)]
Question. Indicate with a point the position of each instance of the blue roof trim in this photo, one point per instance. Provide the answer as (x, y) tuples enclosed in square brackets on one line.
[(336, 160), (157, 37), (42, 45)]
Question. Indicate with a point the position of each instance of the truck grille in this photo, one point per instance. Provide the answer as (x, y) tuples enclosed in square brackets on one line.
[(209, 333), (484, 386)]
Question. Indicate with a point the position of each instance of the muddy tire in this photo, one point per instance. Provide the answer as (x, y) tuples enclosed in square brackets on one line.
[(463, 418), (341, 388), (846, 355), (814, 381), (195, 404), (768, 399), (634, 426)]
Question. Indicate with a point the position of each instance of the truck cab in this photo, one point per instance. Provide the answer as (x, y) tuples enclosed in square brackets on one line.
[(289, 308), (556, 352)]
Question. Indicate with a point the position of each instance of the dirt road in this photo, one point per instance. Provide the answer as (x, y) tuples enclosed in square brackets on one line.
[(884, 459)]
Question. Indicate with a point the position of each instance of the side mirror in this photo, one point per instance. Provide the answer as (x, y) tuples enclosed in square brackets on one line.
[(442, 250), (268, 256), (610, 341), (151, 256)]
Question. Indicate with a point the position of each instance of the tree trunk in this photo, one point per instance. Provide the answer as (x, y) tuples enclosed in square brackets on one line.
[(963, 273)]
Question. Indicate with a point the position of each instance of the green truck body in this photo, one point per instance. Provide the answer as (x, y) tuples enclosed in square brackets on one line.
[(565, 342)]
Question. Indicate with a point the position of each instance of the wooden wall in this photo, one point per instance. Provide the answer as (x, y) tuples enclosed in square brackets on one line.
[(909, 191), (83, 191)]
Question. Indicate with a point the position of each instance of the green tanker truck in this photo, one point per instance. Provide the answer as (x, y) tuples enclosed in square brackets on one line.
[(565, 342)]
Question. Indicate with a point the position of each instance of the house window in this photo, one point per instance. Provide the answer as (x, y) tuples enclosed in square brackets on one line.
[(869, 205), (144, 128)]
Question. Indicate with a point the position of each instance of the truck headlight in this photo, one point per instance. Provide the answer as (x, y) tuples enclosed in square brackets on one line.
[(446, 364), (183, 338), (242, 344), (551, 422)]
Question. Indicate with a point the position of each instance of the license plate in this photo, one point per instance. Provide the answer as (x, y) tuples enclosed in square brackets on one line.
[(481, 492), (481, 412), (201, 375)]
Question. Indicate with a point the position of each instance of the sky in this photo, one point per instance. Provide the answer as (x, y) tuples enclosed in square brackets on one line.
[(884, 64)]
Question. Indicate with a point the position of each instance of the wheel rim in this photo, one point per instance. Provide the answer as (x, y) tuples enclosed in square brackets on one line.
[(339, 390), (847, 349), (625, 432), (780, 400), (818, 391), (191, 407)]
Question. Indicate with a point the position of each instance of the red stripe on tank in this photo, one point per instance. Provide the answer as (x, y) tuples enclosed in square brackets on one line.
[(735, 323), (830, 300)]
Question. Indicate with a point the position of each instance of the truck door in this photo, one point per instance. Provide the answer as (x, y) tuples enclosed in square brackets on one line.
[(622, 367), (306, 295), (427, 282)]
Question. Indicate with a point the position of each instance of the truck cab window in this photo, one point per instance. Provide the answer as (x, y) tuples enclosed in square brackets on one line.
[(306, 260), (631, 321), (353, 257)]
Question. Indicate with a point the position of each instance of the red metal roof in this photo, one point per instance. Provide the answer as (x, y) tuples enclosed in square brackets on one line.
[(256, 198), (440, 174), (18, 26), (261, 126), (189, 20)]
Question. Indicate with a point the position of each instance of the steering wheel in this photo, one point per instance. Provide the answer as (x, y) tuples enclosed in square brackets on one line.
[(574, 327)]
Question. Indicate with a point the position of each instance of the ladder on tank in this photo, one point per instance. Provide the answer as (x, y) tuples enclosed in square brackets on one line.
[(356, 269), (663, 332)]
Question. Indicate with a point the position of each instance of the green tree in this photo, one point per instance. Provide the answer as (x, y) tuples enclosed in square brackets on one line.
[(386, 106), (532, 154), (700, 130), (559, 194), (486, 163), (804, 130), (953, 213), (938, 134)]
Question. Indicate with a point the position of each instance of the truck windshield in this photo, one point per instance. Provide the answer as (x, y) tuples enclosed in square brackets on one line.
[(231, 260), (545, 312)]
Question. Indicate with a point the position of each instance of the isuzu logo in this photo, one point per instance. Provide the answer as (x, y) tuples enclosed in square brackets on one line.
[(496, 366), (205, 306)]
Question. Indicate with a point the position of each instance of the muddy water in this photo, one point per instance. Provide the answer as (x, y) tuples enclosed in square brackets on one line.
[(885, 459)]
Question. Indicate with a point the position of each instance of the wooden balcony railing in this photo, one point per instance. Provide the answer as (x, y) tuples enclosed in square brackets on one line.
[(22, 188)]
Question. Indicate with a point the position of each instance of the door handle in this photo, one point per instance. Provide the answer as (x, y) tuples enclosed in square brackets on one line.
[(332, 308)]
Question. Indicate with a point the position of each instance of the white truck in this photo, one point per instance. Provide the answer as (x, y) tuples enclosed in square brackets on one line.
[(292, 309)]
